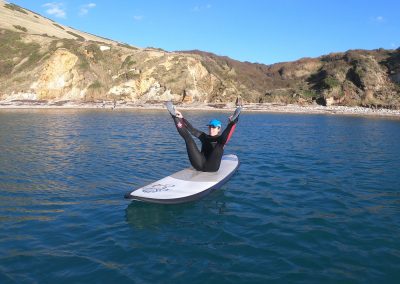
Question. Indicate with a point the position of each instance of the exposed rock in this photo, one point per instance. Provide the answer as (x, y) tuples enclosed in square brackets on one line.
[(58, 79), (54, 63), (300, 68), (104, 48)]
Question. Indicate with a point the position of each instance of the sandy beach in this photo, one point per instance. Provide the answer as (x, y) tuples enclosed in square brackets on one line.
[(252, 107)]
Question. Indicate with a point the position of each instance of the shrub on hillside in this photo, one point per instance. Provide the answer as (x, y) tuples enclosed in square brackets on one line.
[(6, 67), (309, 94), (330, 82), (127, 46), (128, 62), (58, 26), (78, 37), (15, 8), (13, 47), (21, 28), (95, 51), (95, 85)]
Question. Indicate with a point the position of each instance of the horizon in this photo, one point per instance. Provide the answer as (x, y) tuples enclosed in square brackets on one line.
[(263, 32)]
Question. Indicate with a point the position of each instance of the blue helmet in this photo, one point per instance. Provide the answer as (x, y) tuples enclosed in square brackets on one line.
[(214, 123)]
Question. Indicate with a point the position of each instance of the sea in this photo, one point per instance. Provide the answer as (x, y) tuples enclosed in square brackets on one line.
[(316, 199)]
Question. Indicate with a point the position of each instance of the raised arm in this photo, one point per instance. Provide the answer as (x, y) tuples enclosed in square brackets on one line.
[(227, 133), (233, 119)]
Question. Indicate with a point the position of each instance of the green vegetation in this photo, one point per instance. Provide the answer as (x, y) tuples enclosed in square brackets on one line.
[(155, 48), (95, 85), (21, 28), (20, 79), (330, 82), (309, 94), (83, 64), (6, 67), (15, 8), (392, 62), (131, 76), (94, 49), (58, 26), (13, 50), (45, 56), (10, 42), (67, 43), (95, 91), (127, 46), (33, 58), (171, 81), (354, 77), (78, 37), (74, 47), (359, 71), (128, 62), (99, 42), (323, 80)]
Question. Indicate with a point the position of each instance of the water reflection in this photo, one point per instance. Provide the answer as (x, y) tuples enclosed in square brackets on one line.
[(307, 187), (150, 216)]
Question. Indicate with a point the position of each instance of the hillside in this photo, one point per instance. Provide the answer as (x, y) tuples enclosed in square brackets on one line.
[(41, 60)]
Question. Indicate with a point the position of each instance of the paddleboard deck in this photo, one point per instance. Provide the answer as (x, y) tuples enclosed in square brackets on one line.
[(186, 185)]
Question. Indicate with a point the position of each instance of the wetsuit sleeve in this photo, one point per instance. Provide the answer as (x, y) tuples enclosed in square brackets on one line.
[(227, 133), (192, 130)]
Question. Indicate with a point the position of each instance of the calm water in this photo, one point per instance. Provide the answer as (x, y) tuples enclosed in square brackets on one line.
[(316, 200)]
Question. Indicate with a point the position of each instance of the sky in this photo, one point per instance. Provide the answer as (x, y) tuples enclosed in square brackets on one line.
[(258, 31)]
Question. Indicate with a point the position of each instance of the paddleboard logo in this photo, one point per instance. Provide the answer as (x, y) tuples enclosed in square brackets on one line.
[(157, 188)]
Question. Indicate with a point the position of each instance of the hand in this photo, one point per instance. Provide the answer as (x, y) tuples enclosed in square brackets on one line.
[(178, 114)]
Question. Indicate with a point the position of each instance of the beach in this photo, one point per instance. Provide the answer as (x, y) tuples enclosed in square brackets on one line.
[(226, 107)]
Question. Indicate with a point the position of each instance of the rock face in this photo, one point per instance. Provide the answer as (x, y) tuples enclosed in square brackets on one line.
[(58, 78), (63, 64)]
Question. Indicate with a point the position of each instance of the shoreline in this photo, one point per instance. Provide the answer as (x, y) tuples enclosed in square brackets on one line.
[(252, 107)]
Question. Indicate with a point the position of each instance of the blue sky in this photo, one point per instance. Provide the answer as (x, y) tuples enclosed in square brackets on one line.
[(262, 31)]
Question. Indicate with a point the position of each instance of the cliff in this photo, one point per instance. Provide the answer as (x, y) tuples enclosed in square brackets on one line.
[(41, 60)]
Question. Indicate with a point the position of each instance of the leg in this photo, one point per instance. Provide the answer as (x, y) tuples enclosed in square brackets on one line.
[(196, 158), (214, 160)]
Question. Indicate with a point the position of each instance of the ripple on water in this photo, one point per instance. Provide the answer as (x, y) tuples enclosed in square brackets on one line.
[(315, 200)]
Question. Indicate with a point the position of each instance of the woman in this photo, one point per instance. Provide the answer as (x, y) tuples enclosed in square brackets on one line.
[(212, 144)]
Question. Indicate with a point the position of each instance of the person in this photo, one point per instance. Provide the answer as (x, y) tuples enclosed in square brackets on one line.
[(212, 144)]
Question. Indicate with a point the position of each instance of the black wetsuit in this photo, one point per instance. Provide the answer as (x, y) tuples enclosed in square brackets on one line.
[(212, 149)]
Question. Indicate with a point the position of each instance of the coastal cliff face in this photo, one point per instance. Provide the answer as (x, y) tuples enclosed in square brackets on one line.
[(41, 60)]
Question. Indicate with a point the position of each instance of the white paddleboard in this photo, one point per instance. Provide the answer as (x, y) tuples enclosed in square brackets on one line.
[(186, 185)]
